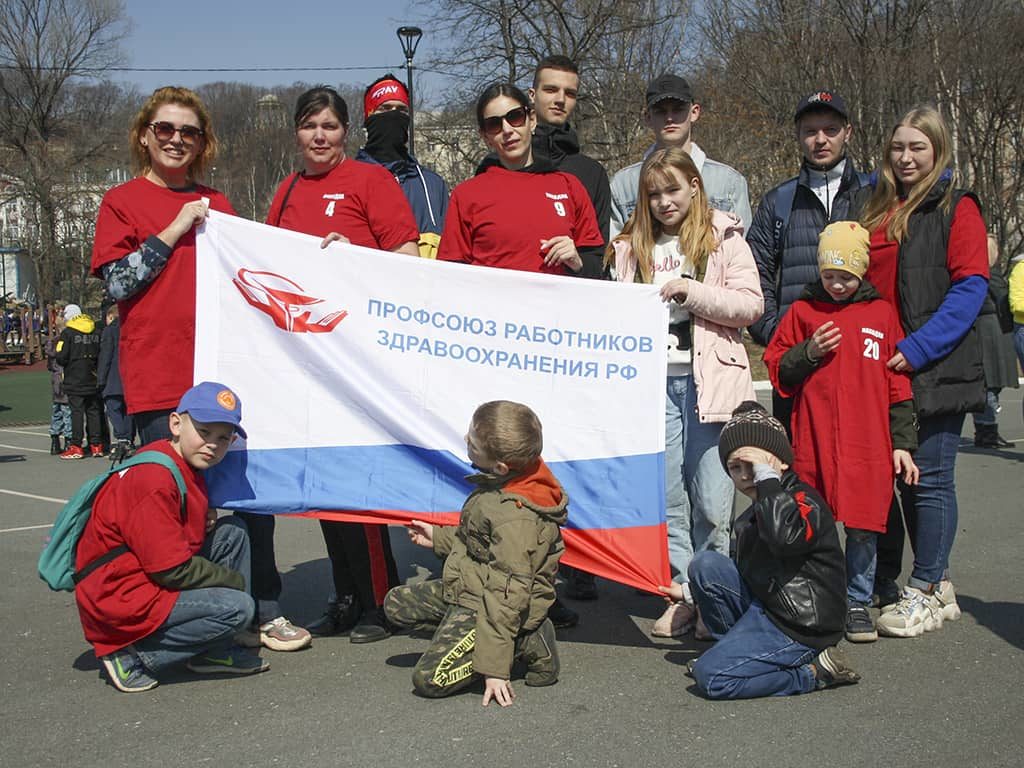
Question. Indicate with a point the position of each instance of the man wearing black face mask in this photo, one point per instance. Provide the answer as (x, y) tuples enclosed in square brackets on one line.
[(386, 121)]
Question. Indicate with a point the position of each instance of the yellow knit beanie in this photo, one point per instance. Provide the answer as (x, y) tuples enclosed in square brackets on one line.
[(844, 245)]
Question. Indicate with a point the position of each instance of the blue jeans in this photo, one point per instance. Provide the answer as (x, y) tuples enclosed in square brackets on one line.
[(861, 561), (988, 416), (120, 421), (204, 619), (930, 507), (266, 581), (752, 657), (153, 425), (60, 420), (698, 492)]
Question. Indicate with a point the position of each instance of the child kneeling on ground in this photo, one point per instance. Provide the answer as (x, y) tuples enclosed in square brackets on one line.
[(490, 605), (178, 593), (778, 611)]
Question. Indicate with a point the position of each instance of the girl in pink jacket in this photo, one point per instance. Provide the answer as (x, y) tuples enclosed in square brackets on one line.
[(707, 274)]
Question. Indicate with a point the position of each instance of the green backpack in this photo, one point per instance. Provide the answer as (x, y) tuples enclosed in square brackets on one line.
[(57, 561)]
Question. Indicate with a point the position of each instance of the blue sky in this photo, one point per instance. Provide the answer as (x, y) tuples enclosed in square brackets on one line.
[(269, 33)]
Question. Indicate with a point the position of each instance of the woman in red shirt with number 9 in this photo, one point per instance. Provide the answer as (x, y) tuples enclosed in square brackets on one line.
[(519, 212)]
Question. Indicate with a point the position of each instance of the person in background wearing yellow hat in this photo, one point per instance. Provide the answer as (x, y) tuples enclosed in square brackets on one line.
[(853, 417)]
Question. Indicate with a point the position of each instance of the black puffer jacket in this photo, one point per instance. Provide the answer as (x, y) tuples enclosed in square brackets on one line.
[(784, 276), (78, 349), (788, 552)]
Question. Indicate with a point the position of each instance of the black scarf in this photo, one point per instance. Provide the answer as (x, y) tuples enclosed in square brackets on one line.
[(387, 136)]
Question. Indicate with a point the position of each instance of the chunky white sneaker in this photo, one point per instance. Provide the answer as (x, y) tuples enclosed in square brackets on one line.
[(675, 621), (914, 614), (281, 635), (946, 596)]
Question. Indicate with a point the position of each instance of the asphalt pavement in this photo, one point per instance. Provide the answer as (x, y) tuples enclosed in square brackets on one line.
[(951, 698)]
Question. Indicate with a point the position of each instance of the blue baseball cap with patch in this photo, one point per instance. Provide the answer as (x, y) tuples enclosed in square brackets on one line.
[(210, 402)]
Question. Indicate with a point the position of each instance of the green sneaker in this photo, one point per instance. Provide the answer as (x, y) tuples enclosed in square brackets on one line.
[(127, 672), (230, 661)]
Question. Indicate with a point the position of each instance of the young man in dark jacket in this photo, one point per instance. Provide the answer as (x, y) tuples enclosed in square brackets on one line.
[(780, 608), (784, 233), (78, 349), (556, 86)]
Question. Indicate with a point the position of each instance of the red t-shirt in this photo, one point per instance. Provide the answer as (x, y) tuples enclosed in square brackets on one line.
[(158, 323), (359, 200), (966, 253), (498, 219), (118, 603)]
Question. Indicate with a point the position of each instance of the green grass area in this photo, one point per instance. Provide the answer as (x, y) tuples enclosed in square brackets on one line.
[(25, 397)]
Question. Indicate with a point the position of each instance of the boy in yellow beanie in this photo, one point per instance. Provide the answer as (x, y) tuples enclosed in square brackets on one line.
[(853, 417)]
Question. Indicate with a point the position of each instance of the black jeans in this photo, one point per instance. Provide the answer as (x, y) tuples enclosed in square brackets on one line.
[(86, 412), (361, 560)]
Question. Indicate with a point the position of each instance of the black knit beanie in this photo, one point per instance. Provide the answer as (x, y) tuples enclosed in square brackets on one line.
[(752, 425)]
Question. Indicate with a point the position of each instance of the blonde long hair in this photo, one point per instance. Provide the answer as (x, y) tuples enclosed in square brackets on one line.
[(697, 237), (928, 121)]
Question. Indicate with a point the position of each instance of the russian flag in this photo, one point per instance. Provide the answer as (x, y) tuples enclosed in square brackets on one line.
[(359, 371)]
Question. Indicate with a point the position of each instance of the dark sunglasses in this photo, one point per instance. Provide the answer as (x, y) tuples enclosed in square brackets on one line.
[(514, 117), (165, 132)]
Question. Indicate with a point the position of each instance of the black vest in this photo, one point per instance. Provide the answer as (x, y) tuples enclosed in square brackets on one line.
[(956, 383)]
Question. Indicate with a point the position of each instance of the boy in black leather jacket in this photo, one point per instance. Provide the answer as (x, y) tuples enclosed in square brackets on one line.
[(780, 608)]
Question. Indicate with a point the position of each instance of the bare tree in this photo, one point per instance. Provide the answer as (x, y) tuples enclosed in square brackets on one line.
[(885, 56), (618, 44), (54, 112)]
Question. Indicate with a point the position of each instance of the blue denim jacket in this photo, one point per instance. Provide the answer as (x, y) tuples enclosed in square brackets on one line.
[(726, 188)]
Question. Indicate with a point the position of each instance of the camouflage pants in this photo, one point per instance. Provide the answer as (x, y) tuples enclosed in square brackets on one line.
[(447, 665)]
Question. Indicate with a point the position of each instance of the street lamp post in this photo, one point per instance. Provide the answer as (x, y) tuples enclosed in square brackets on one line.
[(410, 39)]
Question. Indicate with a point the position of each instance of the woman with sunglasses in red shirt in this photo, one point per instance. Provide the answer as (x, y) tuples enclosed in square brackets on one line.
[(520, 212), (145, 252)]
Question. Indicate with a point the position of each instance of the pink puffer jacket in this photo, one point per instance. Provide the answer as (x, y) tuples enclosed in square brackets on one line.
[(728, 300)]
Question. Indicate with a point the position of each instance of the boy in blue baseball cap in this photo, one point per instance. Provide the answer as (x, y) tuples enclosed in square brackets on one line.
[(176, 590)]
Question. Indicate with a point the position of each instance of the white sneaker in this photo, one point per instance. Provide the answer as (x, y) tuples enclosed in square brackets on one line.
[(281, 635), (914, 614), (675, 621), (946, 596)]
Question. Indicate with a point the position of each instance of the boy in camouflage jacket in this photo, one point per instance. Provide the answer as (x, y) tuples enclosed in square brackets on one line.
[(490, 606)]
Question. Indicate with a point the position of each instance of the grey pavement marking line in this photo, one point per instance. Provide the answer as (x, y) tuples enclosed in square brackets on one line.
[(25, 432), (26, 528), (34, 496), (23, 448)]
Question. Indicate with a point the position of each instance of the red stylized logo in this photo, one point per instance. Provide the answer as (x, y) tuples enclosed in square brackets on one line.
[(285, 302)]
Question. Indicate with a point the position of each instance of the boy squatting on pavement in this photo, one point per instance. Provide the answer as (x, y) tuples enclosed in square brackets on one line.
[(178, 594), (490, 605)]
